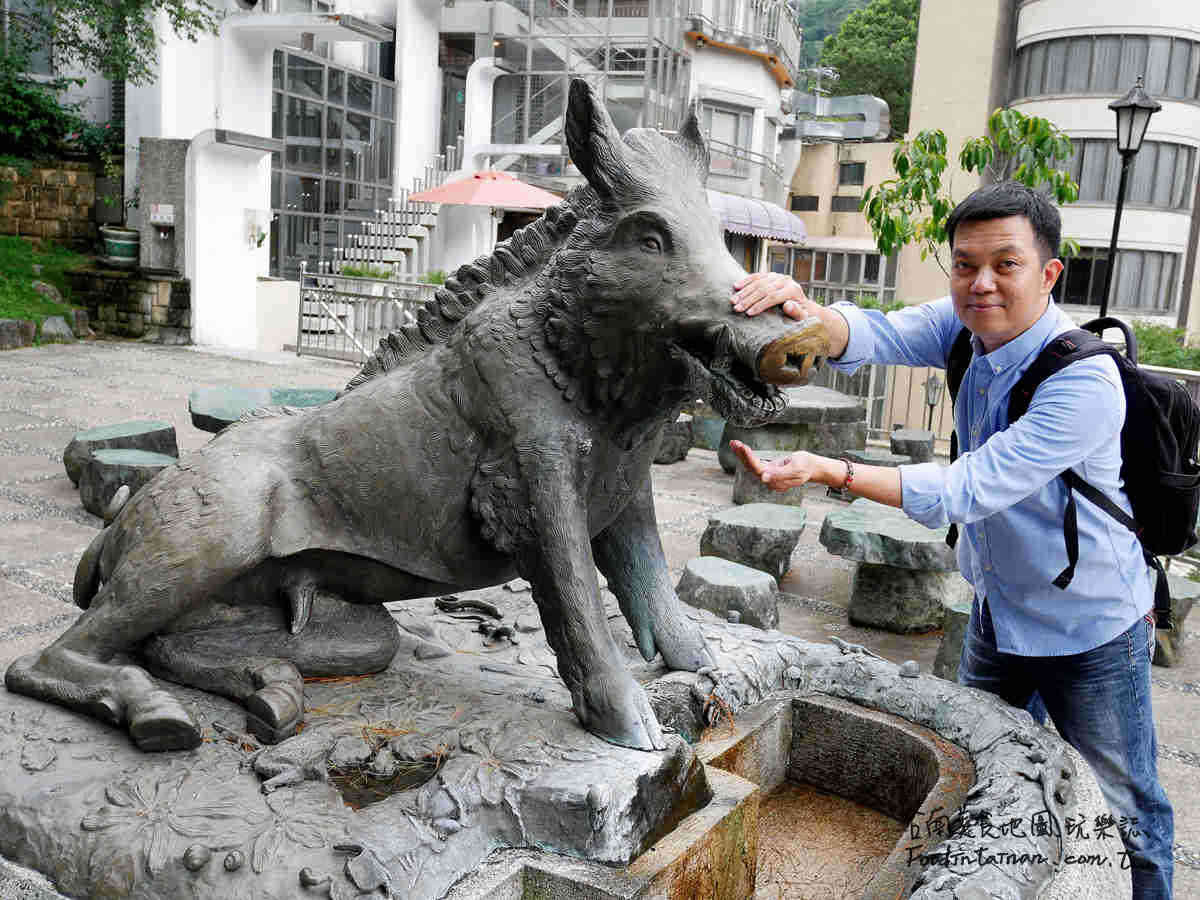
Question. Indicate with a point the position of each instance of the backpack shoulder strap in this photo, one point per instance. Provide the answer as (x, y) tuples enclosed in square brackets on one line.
[(1068, 347), (957, 362)]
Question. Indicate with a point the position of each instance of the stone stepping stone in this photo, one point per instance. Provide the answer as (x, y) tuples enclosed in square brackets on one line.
[(748, 488), (676, 441), (215, 408), (877, 456), (915, 443), (707, 427), (722, 587), (905, 573), (759, 535), (153, 437), (1168, 645), (818, 419), (106, 470), (954, 626)]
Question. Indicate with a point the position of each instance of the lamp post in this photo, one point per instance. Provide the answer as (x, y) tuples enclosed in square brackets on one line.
[(933, 396), (1133, 116)]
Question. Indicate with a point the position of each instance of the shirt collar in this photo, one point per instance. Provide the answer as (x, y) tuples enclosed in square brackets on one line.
[(1033, 339)]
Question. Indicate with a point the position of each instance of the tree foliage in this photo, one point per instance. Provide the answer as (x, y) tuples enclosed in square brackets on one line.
[(912, 208), (114, 38), (34, 123), (819, 19), (874, 52)]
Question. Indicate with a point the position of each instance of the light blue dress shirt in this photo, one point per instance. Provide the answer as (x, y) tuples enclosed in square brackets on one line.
[(1004, 489)]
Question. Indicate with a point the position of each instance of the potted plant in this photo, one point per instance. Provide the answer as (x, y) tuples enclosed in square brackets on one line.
[(121, 244)]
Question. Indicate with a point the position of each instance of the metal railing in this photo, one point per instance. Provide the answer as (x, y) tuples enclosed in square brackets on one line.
[(343, 317), (733, 161), (773, 22)]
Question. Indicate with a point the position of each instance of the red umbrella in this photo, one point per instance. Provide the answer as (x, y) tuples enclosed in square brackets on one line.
[(489, 189)]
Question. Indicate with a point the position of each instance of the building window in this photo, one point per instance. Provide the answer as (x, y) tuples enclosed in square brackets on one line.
[(1108, 64), (844, 204), (851, 172), (831, 275), (729, 130), (336, 166), (1144, 280), (805, 203), (1161, 175), (11, 12)]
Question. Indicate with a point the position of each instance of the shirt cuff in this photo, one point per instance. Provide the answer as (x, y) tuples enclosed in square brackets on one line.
[(861, 343), (921, 486)]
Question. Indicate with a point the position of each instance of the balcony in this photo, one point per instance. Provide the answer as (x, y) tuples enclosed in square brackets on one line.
[(736, 170), (767, 29), (284, 21)]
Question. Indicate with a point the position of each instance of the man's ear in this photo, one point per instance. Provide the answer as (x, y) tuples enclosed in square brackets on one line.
[(1051, 269)]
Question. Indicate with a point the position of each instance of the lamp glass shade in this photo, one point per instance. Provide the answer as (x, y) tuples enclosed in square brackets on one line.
[(933, 390), (1139, 117)]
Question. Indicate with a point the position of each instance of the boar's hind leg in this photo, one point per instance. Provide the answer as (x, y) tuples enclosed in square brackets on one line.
[(608, 702), (629, 553), (74, 671)]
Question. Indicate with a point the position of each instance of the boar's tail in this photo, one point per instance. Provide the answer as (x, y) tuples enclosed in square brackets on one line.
[(87, 573)]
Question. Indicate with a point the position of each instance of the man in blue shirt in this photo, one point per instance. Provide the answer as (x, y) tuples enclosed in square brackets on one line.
[(1085, 650)]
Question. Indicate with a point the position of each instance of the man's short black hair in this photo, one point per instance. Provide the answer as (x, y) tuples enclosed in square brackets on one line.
[(1011, 198)]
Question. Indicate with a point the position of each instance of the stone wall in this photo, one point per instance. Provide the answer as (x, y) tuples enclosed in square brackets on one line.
[(132, 304), (55, 201)]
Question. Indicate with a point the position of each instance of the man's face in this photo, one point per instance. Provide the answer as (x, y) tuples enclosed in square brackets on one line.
[(998, 280)]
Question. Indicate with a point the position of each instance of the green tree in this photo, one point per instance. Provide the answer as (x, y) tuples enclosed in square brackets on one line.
[(874, 52), (115, 38), (819, 19), (912, 208)]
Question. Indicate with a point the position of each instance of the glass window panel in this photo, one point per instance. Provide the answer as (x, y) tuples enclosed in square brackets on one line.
[(893, 264), (360, 93), (1112, 179), (1157, 62), (1133, 60), (277, 71), (304, 118), (277, 115), (333, 196), (1072, 165), (1099, 272), (1056, 64), (1167, 282), (356, 147), (387, 102), (1092, 169), (1150, 288), (305, 77), (819, 261), (837, 267), (337, 86), (1076, 276), (1141, 178), (1181, 183), (871, 269), (305, 158), (1193, 77), (275, 189), (1021, 73), (1106, 62), (1079, 64), (302, 194), (333, 161), (359, 198), (1037, 66), (1129, 279), (384, 151), (802, 269), (1181, 51), (779, 261), (1164, 174)]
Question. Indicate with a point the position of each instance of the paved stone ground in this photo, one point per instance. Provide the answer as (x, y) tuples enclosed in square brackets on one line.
[(49, 393)]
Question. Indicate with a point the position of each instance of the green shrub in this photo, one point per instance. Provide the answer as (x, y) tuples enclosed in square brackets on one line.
[(34, 124), (434, 276), (365, 272), (1162, 345)]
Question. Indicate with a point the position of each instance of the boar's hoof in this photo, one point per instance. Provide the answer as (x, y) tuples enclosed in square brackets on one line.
[(274, 713), (613, 707), (682, 645), (159, 722)]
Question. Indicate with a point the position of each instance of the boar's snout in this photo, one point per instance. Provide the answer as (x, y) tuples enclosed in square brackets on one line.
[(778, 349)]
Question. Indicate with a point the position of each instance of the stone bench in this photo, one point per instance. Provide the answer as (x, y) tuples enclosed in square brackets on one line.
[(153, 437), (748, 487), (675, 442), (905, 571), (817, 419), (106, 470), (877, 456), (215, 408), (915, 443), (759, 535), (1168, 649), (725, 587)]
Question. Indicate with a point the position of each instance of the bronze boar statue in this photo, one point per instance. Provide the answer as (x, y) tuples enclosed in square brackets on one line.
[(510, 431)]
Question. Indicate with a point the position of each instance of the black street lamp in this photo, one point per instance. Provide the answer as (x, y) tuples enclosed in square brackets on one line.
[(1133, 116)]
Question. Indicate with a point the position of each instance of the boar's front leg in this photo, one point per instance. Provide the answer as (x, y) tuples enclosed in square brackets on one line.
[(607, 700), (629, 553)]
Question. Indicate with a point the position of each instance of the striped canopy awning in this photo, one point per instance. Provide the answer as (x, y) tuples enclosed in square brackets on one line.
[(759, 218)]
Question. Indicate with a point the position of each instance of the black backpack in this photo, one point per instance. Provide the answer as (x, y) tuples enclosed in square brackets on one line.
[(1158, 448)]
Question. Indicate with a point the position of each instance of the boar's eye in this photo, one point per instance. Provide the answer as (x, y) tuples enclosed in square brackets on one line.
[(652, 243)]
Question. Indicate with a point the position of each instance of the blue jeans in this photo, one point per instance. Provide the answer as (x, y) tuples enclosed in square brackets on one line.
[(1100, 703)]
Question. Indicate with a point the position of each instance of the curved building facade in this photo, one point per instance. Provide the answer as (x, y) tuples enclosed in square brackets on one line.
[(1071, 59)]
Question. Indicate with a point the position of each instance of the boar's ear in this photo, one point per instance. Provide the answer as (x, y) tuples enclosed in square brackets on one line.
[(595, 146), (692, 141)]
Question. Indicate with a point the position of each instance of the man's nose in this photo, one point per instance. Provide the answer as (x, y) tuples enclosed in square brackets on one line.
[(984, 282)]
